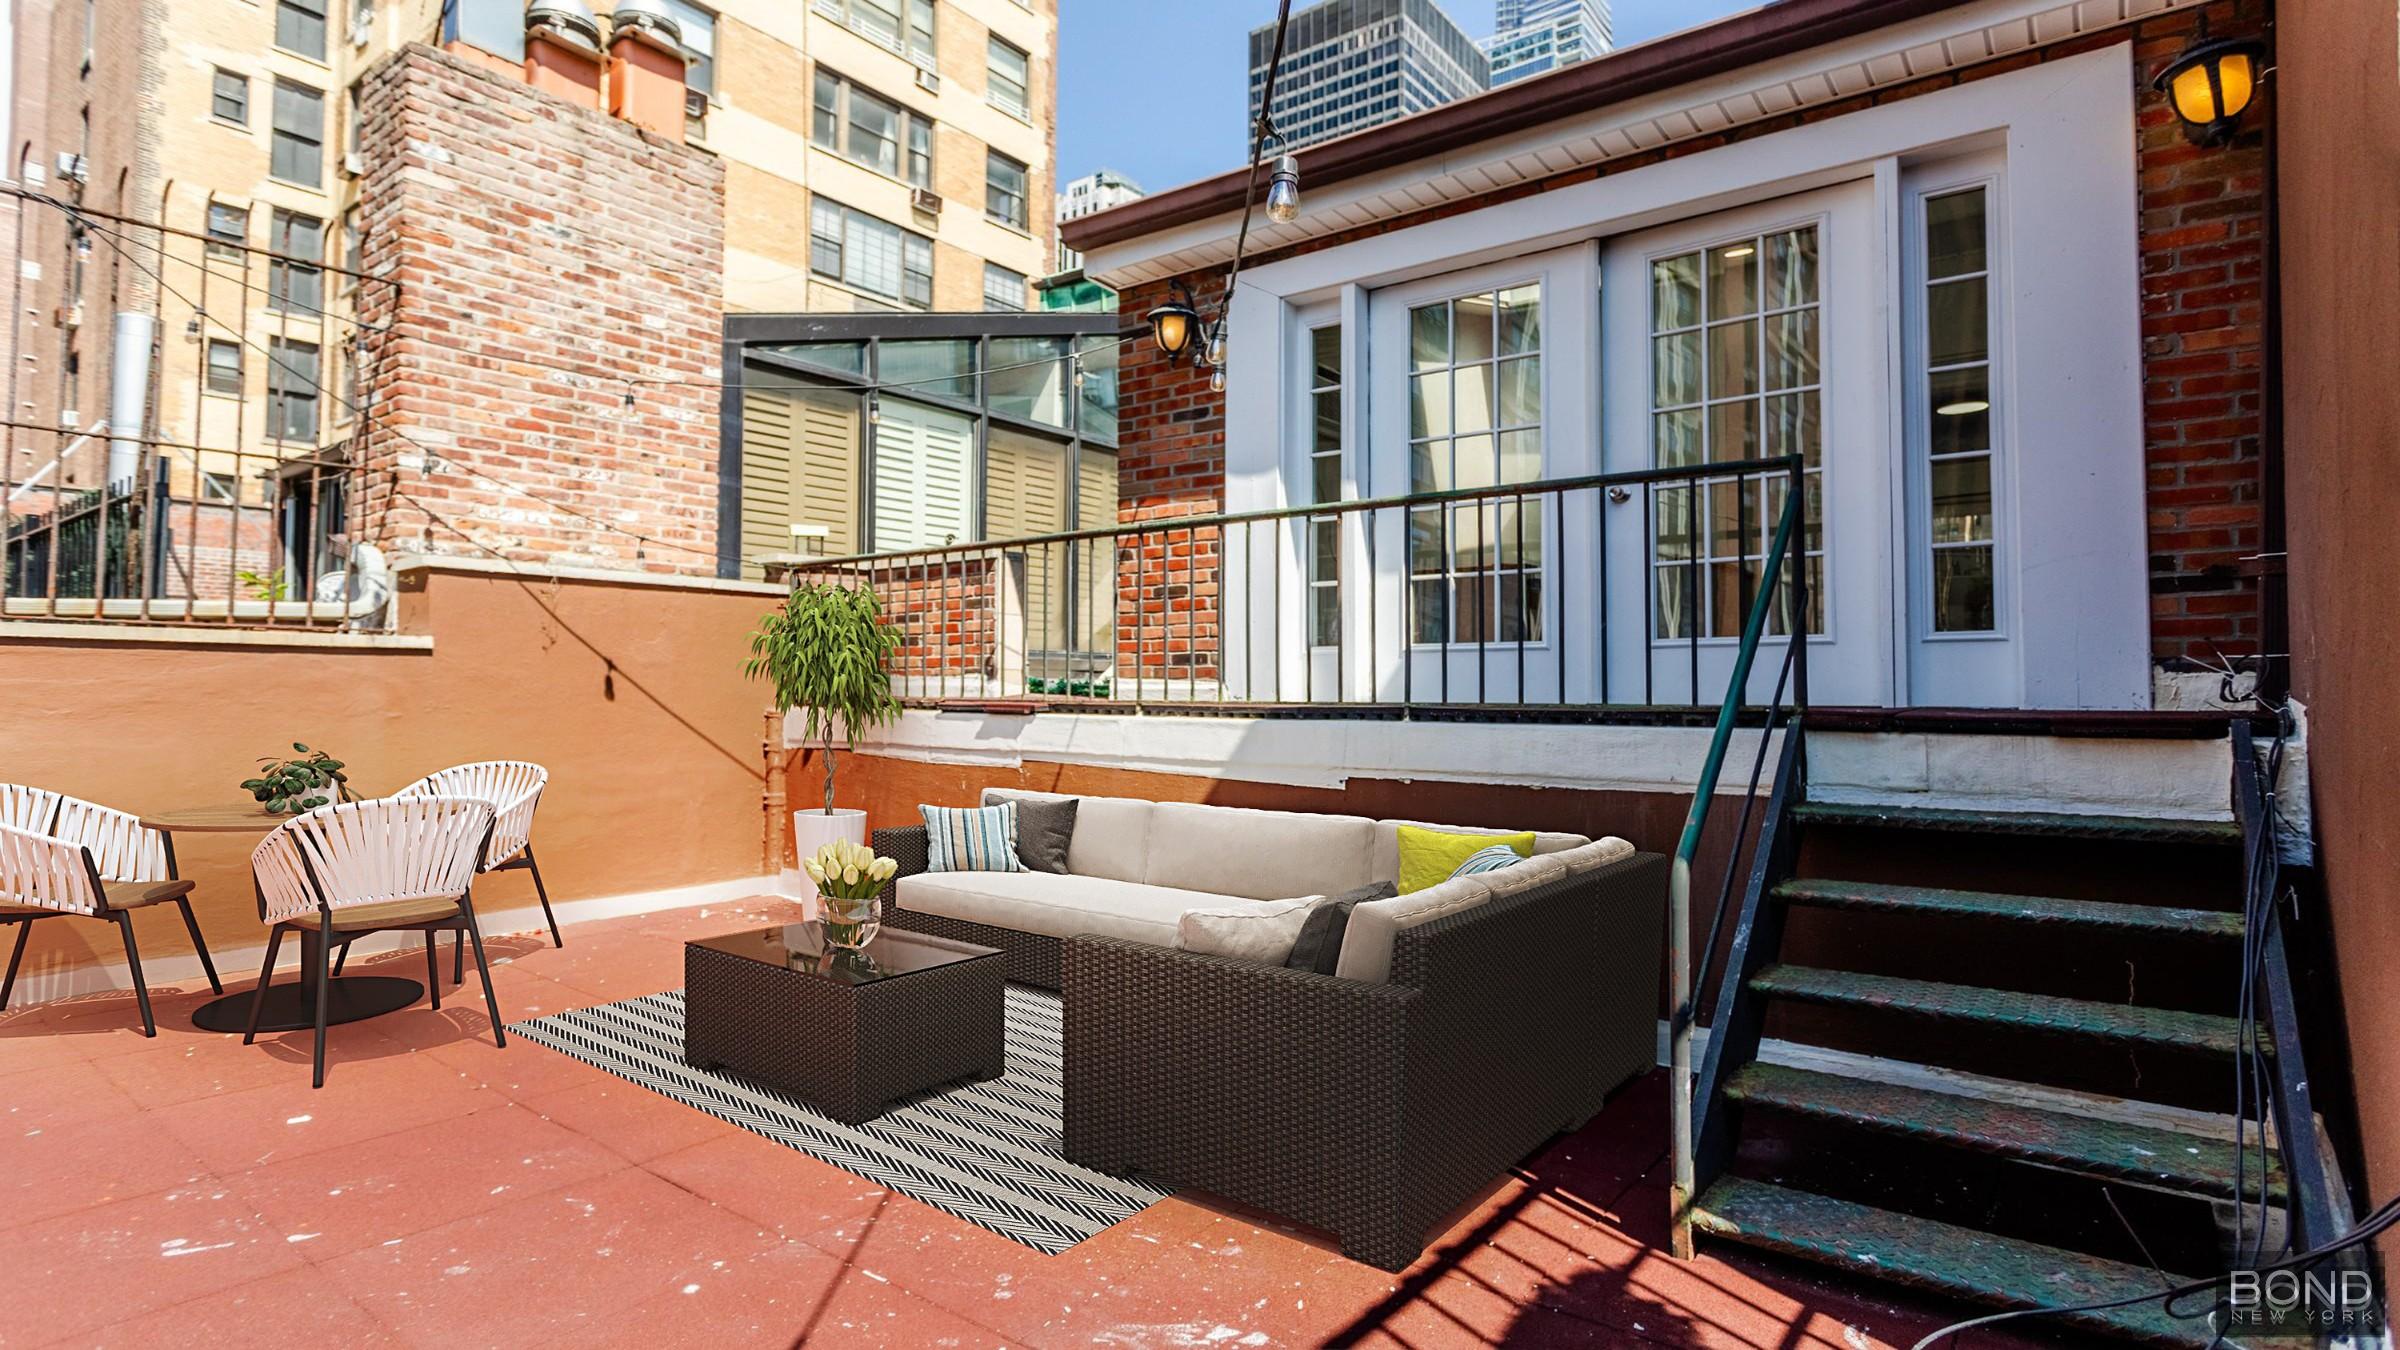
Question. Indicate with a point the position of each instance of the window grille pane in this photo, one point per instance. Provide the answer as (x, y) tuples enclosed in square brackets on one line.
[(1003, 290), (300, 27), (1009, 77), (296, 154), (230, 97)]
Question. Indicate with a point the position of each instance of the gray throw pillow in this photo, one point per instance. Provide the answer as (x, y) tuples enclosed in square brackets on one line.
[(1319, 947), (1044, 828)]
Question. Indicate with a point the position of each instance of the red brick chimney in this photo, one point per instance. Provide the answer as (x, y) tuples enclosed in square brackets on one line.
[(562, 51), (646, 68)]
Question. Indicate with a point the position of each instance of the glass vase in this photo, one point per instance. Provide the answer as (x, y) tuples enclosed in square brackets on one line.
[(850, 923)]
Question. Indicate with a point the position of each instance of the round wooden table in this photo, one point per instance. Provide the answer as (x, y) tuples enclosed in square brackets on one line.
[(289, 1007)]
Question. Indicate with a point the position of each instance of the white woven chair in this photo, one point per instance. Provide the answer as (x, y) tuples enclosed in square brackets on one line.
[(352, 868), (46, 877), (514, 788)]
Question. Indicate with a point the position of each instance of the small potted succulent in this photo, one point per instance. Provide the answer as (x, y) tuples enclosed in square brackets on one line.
[(290, 786), (849, 877)]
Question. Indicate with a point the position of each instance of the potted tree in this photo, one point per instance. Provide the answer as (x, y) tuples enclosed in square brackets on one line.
[(828, 651)]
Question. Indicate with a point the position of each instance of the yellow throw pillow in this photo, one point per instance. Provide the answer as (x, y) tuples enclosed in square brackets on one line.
[(1428, 857)]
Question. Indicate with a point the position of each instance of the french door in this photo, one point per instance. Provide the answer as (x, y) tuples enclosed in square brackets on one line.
[(1745, 335)]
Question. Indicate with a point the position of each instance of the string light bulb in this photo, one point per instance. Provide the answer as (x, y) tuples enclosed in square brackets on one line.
[(1283, 190), (1216, 380), (1216, 346)]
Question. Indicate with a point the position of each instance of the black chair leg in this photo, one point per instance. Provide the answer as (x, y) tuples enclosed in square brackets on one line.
[(200, 945), (491, 1001), (458, 959), (433, 969), (324, 974), (341, 958), (9, 985), (542, 893), (133, 963), (266, 972)]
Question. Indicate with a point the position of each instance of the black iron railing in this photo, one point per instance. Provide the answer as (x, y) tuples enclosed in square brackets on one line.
[(1629, 592)]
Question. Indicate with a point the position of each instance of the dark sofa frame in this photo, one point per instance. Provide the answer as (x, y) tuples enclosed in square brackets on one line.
[(1372, 1111)]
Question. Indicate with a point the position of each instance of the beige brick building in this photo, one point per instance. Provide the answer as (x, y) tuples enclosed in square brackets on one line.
[(876, 154)]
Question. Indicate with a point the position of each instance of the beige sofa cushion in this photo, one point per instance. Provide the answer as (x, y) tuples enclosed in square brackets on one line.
[(1260, 930), (1055, 905), (1260, 855), (1367, 943), (1383, 863), (1112, 834)]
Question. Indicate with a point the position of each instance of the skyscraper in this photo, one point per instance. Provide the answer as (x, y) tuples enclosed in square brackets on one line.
[(1351, 64), (1541, 35)]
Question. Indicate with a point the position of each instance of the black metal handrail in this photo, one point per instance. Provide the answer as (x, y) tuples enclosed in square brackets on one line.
[(1183, 609), (2273, 1012)]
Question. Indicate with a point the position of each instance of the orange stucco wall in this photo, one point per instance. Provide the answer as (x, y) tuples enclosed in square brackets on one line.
[(631, 695)]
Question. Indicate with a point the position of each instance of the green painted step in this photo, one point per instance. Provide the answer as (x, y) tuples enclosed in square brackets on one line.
[(2092, 914), (2118, 1023), (2129, 829), (1942, 1258), (2079, 1144)]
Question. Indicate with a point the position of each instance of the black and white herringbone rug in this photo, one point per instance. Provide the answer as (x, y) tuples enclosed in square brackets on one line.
[(986, 1152)]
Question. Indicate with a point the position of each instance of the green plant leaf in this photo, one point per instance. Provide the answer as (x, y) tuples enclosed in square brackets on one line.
[(299, 747)]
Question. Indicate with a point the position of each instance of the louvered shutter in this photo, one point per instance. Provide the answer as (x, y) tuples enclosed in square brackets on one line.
[(1025, 494), (923, 494), (799, 467)]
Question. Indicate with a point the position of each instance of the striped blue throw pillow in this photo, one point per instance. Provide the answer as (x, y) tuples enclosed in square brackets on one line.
[(971, 838), (1487, 860)]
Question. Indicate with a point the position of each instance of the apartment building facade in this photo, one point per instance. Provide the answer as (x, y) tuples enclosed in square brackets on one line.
[(1352, 64), (878, 155), (1538, 36)]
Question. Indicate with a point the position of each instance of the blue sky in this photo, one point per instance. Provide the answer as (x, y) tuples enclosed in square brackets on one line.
[(1122, 105)]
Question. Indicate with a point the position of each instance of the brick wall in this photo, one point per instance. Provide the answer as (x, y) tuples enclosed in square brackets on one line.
[(2203, 262), (544, 255), (1170, 463)]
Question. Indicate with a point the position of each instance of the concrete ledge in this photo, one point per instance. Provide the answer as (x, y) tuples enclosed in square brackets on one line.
[(208, 635), (670, 581)]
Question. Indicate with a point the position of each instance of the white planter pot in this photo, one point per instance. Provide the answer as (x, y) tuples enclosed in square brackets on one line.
[(813, 830)]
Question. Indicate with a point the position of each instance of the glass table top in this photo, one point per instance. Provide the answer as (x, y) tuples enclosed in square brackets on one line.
[(801, 948)]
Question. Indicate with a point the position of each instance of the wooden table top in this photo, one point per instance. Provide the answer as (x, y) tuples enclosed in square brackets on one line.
[(231, 818)]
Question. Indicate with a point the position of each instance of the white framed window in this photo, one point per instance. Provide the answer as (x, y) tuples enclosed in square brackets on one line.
[(228, 229), (1008, 78), (904, 26), (300, 27), (229, 97), (224, 366), (1475, 421), (219, 487), (1325, 465), (296, 147), (868, 254), (1004, 189), (1003, 290), (1957, 402), (1736, 372), (868, 129)]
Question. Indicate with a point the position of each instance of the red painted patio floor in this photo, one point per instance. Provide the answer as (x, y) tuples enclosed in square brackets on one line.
[(440, 1191)]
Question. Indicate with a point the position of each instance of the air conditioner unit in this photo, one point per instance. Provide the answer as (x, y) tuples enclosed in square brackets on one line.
[(71, 166), (695, 111), (353, 163), (926, 200), (71, 316), (928, 81)]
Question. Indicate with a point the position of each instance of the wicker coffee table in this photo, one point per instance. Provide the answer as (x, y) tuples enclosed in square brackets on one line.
[(850, 1033)]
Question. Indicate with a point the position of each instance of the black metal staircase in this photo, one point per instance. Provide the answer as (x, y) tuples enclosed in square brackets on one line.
[(1946, 1182)]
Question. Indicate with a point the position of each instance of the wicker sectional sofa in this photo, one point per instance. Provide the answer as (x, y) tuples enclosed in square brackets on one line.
[(1468, 1023)]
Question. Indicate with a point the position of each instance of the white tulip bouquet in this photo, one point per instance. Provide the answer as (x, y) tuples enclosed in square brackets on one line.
[(848, 877)]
